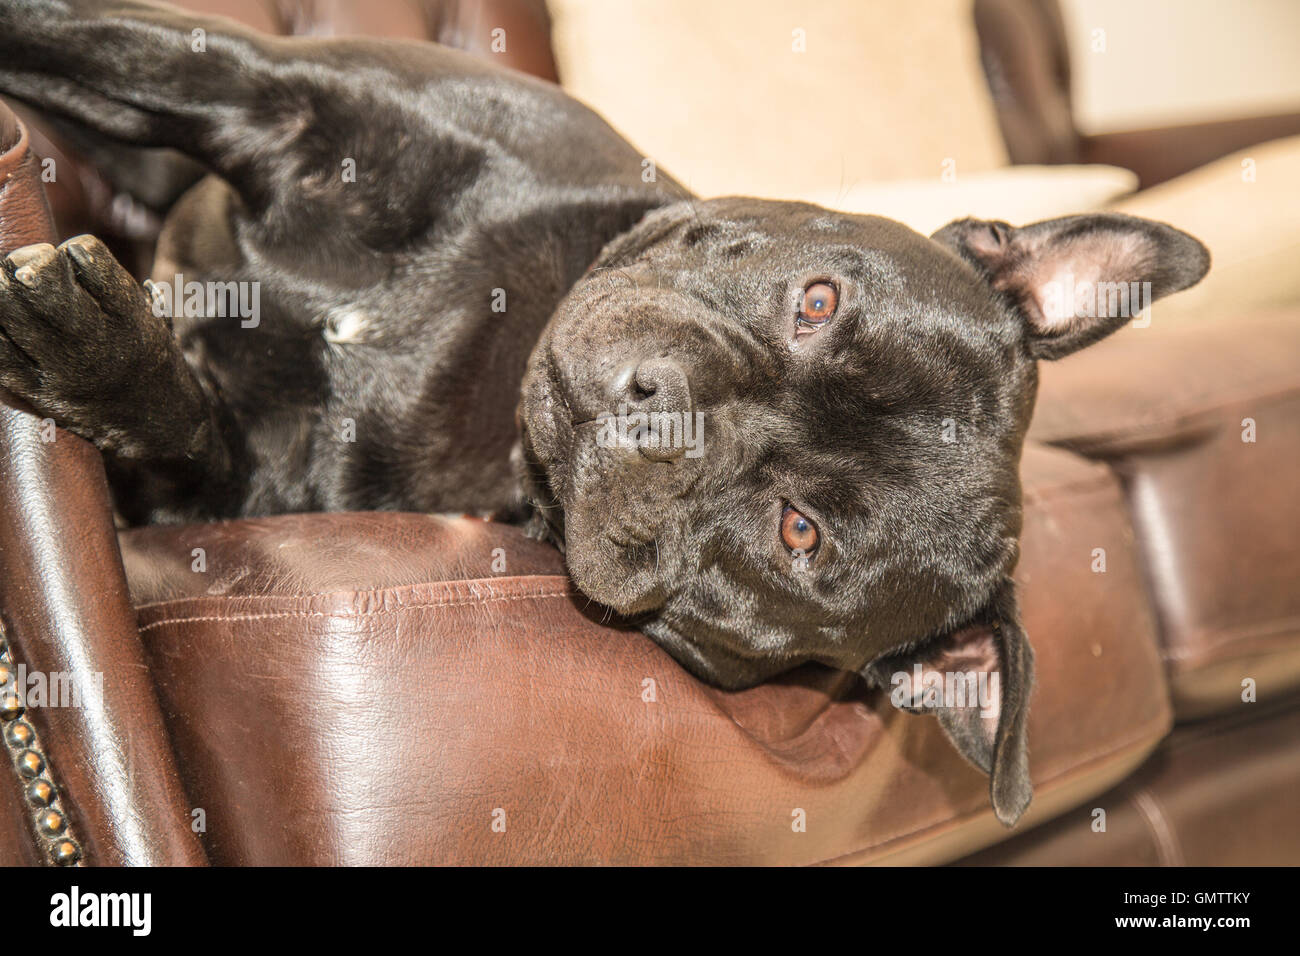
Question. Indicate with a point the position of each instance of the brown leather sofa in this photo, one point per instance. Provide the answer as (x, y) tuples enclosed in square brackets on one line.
[(377, 688)]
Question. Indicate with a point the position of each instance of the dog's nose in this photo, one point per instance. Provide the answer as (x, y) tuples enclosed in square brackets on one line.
[(662, 385), (658, 387)]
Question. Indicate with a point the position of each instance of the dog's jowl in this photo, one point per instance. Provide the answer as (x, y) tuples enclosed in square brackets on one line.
[(767, 432)]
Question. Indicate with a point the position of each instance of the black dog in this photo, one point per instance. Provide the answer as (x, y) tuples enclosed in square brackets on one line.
[(432, 239)]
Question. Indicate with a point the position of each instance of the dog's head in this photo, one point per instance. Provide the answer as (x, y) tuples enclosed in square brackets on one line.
[(782, 434)]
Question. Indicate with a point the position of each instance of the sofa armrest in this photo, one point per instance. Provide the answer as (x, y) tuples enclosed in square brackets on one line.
[(94, 777)]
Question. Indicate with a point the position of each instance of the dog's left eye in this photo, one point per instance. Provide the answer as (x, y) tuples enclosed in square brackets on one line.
[(819, 303), (798, 533)]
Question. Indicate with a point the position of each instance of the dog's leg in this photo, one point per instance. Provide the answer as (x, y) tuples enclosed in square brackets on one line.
[(80, 342), (339, 135)]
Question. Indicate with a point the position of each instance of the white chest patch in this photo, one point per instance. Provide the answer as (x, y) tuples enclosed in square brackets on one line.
[(346, 326)]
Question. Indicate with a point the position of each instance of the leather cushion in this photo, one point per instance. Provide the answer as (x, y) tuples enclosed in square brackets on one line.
[(364, 689), (1168, 406), (1246, 210)]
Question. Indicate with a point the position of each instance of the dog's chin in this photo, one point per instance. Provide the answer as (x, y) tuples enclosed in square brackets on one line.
[(576, 522), (600, 569)]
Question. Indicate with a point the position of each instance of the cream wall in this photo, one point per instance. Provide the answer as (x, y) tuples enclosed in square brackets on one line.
[(1178, 61)]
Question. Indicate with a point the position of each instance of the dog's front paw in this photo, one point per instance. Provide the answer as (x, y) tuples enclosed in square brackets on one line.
[(77, 335)]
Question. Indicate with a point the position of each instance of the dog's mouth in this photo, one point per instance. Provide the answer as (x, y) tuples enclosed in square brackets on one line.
[(546, 514), (586, 499), (546, 421)]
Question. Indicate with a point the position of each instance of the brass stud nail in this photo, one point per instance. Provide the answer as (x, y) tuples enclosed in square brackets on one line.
[(6, 676), (40, 793), (30, 764), (66, 852), (20, 734), (52, 822), (11, 708)]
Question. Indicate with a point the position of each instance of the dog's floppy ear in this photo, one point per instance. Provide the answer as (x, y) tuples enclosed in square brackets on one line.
[(1077, 279), (653, 227), (976, 681)]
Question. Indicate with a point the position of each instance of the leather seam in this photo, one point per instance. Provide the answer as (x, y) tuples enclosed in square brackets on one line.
[(1174, 423), (1283, 628), (1074, 489), (345, 613), (492, 582), (1163, 834)]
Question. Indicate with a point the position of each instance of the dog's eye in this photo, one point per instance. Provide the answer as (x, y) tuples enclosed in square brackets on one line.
[(798, 533), (819, 302)]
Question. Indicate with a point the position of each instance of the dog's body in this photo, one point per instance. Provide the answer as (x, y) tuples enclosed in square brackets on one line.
[(434, 240), (377, 277)]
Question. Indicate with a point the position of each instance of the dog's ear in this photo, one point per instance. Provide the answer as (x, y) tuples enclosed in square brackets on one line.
[(976, 681), (656, 225), (1077, 279)]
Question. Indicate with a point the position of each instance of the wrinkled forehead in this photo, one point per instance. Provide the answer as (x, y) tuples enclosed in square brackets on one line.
[(775, 225), (764, 241), (907, 301)]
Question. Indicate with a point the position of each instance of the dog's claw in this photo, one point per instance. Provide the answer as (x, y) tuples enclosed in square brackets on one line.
[(27, 263)]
